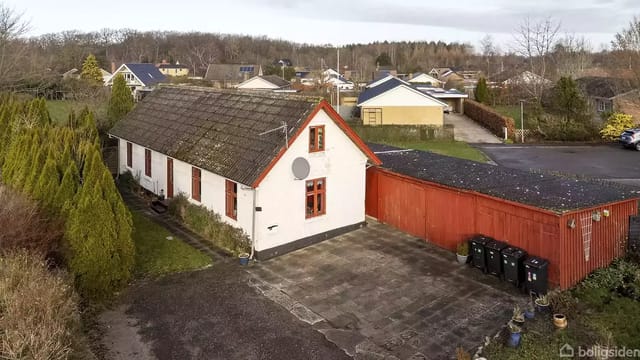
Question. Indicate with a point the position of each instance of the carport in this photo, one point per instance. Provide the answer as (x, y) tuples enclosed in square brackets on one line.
[(578, 225)]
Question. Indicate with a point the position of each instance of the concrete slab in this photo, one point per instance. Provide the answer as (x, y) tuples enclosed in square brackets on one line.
[(384, 294), (465, 129)]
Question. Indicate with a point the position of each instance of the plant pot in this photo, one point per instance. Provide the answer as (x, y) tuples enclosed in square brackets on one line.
[(543, 308), (518, 322), (560, 321), (529, 314), (514, 340), (462, 259), (244, 259)]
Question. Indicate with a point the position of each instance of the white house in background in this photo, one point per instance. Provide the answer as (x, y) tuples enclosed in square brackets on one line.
[(265, 82), (334, 78), (425, 79), (527, 78), (141, 78), (285, 169)]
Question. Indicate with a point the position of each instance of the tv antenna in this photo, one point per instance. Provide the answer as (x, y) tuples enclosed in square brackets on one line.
[(284, 129)]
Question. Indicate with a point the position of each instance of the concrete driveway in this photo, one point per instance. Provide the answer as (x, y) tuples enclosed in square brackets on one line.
[(610, 162), (379, 293), (465, 129)]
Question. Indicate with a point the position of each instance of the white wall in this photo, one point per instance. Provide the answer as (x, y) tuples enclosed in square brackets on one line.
[(257, 83), (282, 197), (213, 186)]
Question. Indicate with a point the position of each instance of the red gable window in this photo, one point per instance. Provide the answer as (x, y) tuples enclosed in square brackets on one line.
[(315, 200), (316, 138)]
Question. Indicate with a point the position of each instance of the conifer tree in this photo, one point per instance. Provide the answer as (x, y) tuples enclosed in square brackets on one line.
[(482, 92), (48, 183), (68, 187), (121, 100), (91, 71)]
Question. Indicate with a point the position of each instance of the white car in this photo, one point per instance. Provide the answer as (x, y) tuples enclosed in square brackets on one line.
[(447, 109)]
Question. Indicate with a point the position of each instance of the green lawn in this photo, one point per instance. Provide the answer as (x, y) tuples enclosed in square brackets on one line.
[(155, 255), (452, 148), (60, 109), (512, 111)]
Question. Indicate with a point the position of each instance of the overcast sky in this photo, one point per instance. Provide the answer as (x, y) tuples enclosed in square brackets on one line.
[(336, 21)]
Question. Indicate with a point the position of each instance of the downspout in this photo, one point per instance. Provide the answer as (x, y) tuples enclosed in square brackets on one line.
[(253, 226)]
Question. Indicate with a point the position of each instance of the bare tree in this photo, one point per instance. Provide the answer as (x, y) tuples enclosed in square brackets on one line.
[(572, 55), (627, 44), (489, 51), (12, 47), (534, 40)]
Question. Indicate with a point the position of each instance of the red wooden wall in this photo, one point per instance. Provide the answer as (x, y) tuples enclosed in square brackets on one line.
[(445, 216)]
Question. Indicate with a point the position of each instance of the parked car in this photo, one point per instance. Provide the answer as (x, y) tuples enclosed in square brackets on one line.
[(631, 138), (448, 109)]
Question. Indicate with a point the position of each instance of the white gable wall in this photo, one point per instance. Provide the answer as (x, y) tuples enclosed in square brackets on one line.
[(401, 96), (283, 198), (257, 83)]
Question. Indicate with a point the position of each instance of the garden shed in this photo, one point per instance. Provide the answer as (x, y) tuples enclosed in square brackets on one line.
[(577, 224)]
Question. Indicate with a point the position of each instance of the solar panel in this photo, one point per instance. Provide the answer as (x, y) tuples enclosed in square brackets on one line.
[(246, 68)]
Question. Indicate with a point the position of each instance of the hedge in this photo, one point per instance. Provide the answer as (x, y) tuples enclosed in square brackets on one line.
[(490, 119)]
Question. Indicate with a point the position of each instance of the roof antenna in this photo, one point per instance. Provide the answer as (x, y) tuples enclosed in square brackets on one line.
[(284, 130)]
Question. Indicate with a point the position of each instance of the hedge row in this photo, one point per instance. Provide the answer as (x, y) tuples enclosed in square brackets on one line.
[(391, 133), (490, 119)]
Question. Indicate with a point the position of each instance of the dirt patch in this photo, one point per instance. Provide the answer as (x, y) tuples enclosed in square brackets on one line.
[(121, 336)]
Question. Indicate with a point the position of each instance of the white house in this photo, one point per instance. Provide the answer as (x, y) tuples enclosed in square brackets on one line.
[(422, 78), (141, 78), (334, 78), (285, 169), (265, 82)]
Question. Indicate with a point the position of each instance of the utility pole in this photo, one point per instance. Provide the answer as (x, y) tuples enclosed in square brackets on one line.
[(522, 119)]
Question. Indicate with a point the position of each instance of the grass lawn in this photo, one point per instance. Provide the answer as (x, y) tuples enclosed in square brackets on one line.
[(155, 255), (452, 148), (60, 109), (512, 111), (602, 311)]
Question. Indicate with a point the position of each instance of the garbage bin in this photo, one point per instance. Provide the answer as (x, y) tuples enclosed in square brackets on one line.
[(513, 265), (478, 251), (494, 262), (536, 275)]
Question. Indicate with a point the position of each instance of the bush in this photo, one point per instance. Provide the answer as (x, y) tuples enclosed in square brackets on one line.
[(554, 127), (489, 118), (209, 225), (614, 126), (621, 278), (39, 316), (25, 226)]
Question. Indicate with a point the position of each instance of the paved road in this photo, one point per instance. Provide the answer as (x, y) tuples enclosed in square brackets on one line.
[(609, 162), (465, 129)]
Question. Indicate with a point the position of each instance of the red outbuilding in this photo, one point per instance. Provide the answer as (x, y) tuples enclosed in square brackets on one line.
[(578, 225)]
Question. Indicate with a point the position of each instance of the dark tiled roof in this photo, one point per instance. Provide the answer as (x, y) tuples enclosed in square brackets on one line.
[(147, 73), (604, 87), (542, 190), (216, 130), (231, 72), (276, 80), (370, 93)]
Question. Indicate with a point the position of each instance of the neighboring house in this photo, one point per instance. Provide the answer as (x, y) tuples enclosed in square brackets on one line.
[(141, 78), (334, 79), (395, 102), (105, 75), (384, 71), (607, 94), (75, 74), (230, 75), (453, 97), (526, 78), (287, 170), (176, 69), (425, 79), (265, 82)]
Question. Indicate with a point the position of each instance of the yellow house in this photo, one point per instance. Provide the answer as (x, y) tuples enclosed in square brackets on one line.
[(173, 69), (395, 102)]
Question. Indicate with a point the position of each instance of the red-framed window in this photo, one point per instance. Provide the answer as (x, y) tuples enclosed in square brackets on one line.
[(147, 162), (129, 154), (196, 184), (316, 138), (315, 199), (231, 202)]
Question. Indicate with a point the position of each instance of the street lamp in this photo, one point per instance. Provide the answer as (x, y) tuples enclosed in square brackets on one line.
[(522, 119)]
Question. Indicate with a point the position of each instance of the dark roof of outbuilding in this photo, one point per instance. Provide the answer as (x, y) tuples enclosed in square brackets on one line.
[(231, 72), (604, 87), (276, 80), (543, 190), (216, 130), (147, 73)]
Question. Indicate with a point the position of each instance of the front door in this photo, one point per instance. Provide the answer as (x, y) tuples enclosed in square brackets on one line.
[(169, 178)]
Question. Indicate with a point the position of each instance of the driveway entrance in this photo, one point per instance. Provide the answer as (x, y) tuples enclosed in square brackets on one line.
[(465, 129), (377, 292)]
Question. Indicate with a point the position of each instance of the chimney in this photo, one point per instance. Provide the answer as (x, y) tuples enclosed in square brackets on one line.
[(113, 67)]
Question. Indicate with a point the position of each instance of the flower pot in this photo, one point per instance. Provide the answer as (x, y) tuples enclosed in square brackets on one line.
[(514, 340), (462, 259), (529, 314), (244, 259), (560, 321), (518, 322), (542, 308)]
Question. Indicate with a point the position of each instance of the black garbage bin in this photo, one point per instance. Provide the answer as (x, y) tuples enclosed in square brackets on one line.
[(536, 275), (513, 265), (478, 251), (494, 262)]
